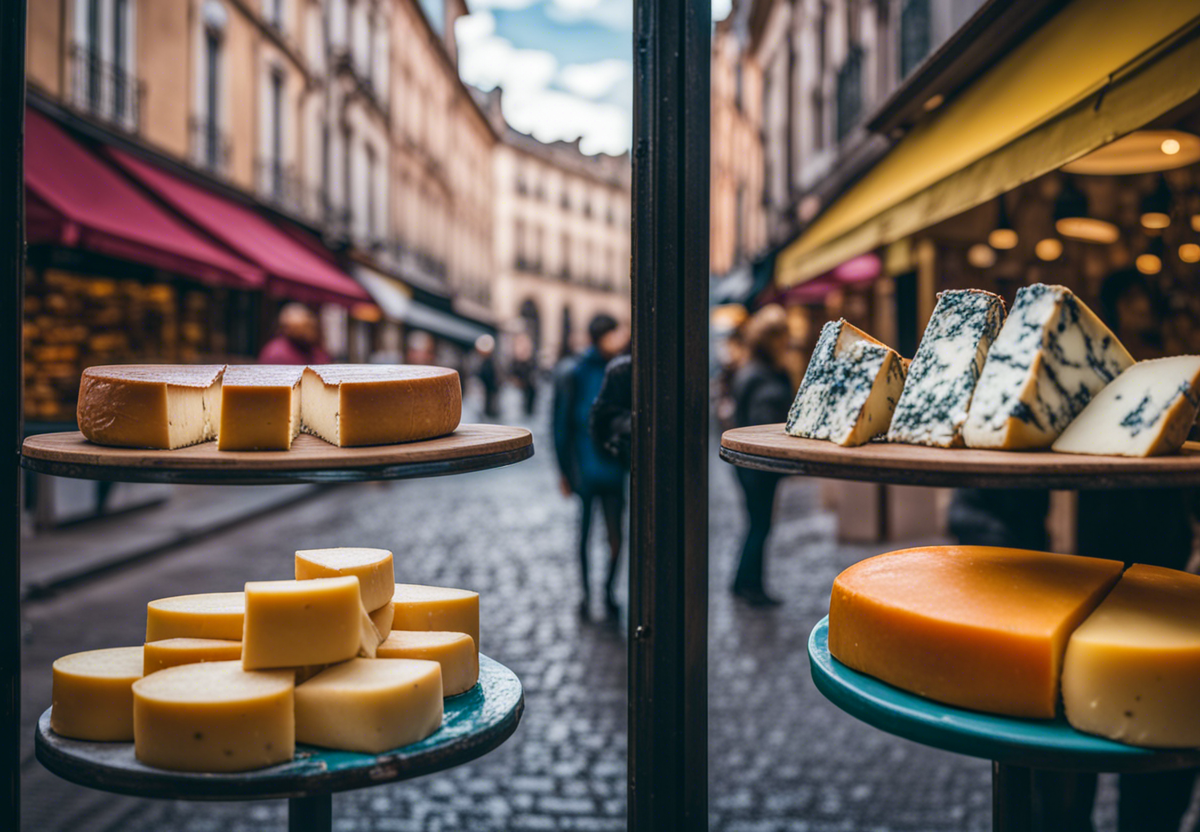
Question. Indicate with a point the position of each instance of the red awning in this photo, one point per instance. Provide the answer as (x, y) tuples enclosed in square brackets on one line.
[(293, 269), (77, 199)]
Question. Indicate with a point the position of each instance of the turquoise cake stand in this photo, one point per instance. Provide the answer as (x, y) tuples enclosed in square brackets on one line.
[(1013, 745)]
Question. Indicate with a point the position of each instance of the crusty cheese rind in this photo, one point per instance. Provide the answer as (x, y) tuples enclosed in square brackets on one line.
[(92, 694), (350, 405), (149, 406)]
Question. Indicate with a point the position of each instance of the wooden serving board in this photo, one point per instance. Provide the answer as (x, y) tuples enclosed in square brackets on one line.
[(469, 448), (768, 448)]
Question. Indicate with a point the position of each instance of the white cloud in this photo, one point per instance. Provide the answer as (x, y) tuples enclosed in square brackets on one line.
[(488, 61), (511, 5), (550, 115), (721, 9), (612, 14), (595, 80)]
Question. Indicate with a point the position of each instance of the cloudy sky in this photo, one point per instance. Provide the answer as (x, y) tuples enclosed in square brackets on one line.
[(564, 65)]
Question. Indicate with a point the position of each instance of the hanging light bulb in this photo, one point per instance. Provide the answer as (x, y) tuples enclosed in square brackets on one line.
[(1003, 236), (1071, 217), (1142, 151), (1156, 206), (1048, 249), (1151, 261), (981, 256), (1189, 253)]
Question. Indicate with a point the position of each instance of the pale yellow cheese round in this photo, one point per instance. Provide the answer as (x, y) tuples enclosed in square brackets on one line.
[(297, 623), (92, 694), (370, 705), (214, 716), (382, 619), (455, 652), (172, 652), (213, 615), (437, 608), (372, 567)]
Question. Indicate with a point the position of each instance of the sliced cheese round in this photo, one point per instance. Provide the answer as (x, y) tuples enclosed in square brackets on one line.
[(212, 615), (92, 694), (372, 404), (370, 705), (437, 608), (172, 652), (373, 568), (455, 652), (150, 406), (214, 717), (297, 623), (260, 407)]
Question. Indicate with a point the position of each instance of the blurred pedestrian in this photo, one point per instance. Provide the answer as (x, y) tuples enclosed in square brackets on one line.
[(524, 370), (297, 338), (762, 393), (584, 470), (485, 371)]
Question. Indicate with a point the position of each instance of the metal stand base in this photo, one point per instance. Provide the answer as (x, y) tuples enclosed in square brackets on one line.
[(310, 814), (1012, 798)]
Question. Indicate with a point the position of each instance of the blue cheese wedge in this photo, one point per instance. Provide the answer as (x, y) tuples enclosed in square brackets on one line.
[(1147, 411), (943, 374), (850, 388), (1051, 357)]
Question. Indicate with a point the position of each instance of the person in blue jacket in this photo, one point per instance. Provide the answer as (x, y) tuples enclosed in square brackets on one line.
[(584, 471)]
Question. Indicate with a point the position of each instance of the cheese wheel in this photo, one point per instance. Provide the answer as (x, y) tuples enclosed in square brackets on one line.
[(455, 652), (1132, 670), (370, 705), (93, 696), (437, 608), (260, 408), (150, 406), (296, 623), (382, 619), (172, 652), (372, 567), (212, 615), (214, 716), (973, 626), (371, 404)]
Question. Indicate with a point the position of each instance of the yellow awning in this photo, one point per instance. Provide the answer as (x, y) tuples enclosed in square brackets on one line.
[(1035, 110)]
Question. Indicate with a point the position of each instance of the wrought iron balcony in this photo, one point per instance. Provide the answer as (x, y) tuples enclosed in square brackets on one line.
[(105, 90), (211, 148), (281, 184)]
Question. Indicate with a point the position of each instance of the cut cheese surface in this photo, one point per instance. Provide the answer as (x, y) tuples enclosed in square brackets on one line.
[(93, 694), (973, 626), (373, 568), (455, 652), (214, 716), (297, 623), (370, 705), (850, 388), (1147, 411), (172, 652), (211, 615), (437, 608), (941, 379), (260, 408), (1051, 357), (150, 406), (373, 404), (382, 618), (1132, 669)]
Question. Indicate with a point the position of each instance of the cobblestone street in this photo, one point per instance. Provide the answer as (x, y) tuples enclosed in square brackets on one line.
[(781, 757)]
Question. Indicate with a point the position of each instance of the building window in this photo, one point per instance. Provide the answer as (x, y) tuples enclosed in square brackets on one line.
[(564, 256), (565, 200), (119, 57), (274, 13), (915, 36), (276, 164), (849, 92), (212, 99), (370, 184), (818, 120)]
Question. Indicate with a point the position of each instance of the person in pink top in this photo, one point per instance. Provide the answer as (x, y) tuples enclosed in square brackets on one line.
[(298, 339)]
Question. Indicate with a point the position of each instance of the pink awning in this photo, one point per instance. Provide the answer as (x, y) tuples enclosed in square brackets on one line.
[(75, 198), (293, 270)]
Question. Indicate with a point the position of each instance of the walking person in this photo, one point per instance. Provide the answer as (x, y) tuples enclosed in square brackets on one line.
[(762, 393), (297, 339), (584, 471)]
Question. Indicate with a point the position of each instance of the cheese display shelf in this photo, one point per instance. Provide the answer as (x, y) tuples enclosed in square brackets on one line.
[(311, 460), (768, 448), (473, 724)]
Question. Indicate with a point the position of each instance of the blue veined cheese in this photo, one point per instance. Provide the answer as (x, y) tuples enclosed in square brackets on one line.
[(942, 377), (1051, 356), (850, 388), (1147, 411)]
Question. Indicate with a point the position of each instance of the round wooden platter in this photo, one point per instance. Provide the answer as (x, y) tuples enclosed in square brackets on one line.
[(473, 724), (768, 448), (469, 448), (1051, 744)]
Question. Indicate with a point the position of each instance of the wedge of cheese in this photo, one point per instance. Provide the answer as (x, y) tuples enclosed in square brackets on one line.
[(172, 652), (214, 716), (371, 404), (373, 568), (297, 623), (1051, 357), (850, 388), (437, 608), (382, 618), (370, 706), (941, 379), (211, 615), (93, 694), (455, 652), (1147, 411), (150, 406), (260, 408), (1132, 670), (972, 626)]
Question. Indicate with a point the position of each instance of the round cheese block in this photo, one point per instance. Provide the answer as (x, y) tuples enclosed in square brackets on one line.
[(172, 652), (372, 567), (382, 619), (455, 652), (211, 615), (437, 608), (374, 404), (150, 406), (92, 694)]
